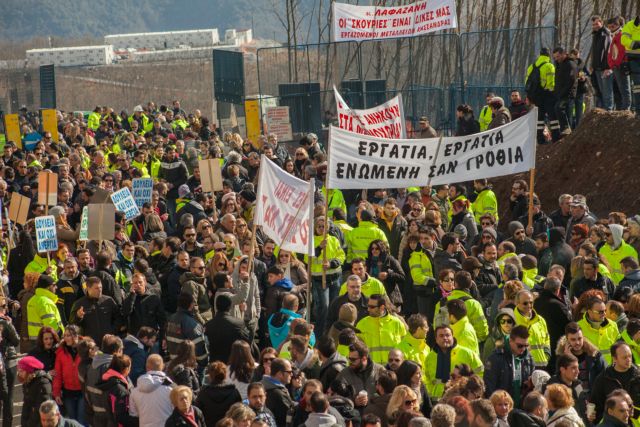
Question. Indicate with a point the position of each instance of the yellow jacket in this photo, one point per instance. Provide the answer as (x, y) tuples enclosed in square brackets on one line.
[(486, 202), (466, 336), (369, 287), (39, 265), (459, 355), (603, 337), (475, 313), (359, 239), (630, 34), (421, 268), (415, 350), (336, 200), (334, 252), (43, 311), (381, 335), (614, 256), (538, 337), (547, 72)]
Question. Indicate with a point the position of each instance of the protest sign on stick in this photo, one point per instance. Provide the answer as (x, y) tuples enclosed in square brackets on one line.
[(210, 175), (101, 222), (47, 189), (142, 191), (19, 208), (46, 235)]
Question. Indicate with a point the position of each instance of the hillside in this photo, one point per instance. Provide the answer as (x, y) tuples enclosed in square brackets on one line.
[(22, 19), (600, 160)]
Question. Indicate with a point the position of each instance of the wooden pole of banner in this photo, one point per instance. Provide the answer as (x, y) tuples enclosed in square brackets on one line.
[(532, 177), (312, 189), (9, 234), (435, 158), (326, 215), (252, 251), (46, 208)]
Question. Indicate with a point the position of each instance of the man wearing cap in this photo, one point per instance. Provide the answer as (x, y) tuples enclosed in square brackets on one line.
[(523, 244), (614, 250), (143, 121), (42, 309), (500, 114), (425, 130), (541, 222), (579, 214)]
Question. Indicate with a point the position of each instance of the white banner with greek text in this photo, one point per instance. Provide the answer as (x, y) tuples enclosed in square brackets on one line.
[(384, 121), (362, 161), (283, 208), (358, 23)]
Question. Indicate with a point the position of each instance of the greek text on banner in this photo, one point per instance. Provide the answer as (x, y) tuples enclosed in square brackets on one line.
[(357, 23), (283, 208), (384, 121), (361, 161)]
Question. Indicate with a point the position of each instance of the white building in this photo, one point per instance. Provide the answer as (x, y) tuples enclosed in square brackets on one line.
[(237, 37), (169, 54), (71, 56), (164, 40)]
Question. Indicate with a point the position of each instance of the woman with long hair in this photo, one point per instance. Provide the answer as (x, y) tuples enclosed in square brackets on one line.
[(413, 227), (67, 389), (46, 346), (402, 399), (410, 374), (264, 364), (292, 267), (154, 227), (241, 366), (384, 267), (181, 369), (466, 123)]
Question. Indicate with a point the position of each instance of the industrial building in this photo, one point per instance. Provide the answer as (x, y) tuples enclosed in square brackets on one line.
[(70, 56), (164, 40)]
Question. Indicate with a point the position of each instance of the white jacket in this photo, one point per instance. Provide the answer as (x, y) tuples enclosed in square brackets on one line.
[(150, 399), (567, 414)]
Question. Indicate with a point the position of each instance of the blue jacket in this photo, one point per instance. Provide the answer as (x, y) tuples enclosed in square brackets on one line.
[(135, 350), (279, 324)]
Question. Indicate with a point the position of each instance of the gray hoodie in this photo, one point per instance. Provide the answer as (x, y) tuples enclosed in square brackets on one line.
[(321, 420), (150, 400), (616, 233), (252, 312)]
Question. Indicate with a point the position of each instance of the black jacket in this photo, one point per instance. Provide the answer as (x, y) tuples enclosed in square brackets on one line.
[(555, 312), (394, 235), (101, 316), (561, 252), (606, 383), (498, 372), (182, 326), (175, 172), (109, 286), (35, 392), (467, 125), (334, 308), (518, 109), (330, 369), (443, 260), (278, 400), (68, 291), (47, 357), (173, 289), (519, 207), (519, 418), (182, 375), (600, 42), (144, 310), (391, 266), (630, 280), (177, 420), (541, 223), (117, 391), (222, 331), (215, 401), (601, 283), (566, 79)]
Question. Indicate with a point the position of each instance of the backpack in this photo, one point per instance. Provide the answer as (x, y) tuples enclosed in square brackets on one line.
[(533, 86), (442, 316)]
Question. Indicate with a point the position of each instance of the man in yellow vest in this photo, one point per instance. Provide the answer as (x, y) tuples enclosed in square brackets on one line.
[(441, 362), (414, 345), (485, 202), (370, 285), (381, 331), (42, 309), (485, 115), (359, 239), (630, 39), (462, 329), (540, 82), (537, 326), (423, 275), (615, 249), (598, 329)]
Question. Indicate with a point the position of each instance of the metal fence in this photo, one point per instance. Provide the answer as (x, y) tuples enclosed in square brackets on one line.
[(434, 72)]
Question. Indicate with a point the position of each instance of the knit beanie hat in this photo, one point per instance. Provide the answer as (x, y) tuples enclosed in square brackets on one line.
[(348, 313)]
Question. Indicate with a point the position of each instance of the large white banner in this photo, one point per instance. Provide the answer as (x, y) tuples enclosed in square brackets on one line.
[(362, 161), (384, 121), (284, 208), (358, 23)]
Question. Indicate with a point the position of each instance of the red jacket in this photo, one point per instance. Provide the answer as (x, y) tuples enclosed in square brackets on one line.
[(616, 54), (66, 372)]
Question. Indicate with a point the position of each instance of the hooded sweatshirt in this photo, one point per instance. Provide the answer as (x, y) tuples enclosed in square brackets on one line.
[(497, 339), (150, 399), (279, 324), (252, 298), (320, 420), (616, 253)]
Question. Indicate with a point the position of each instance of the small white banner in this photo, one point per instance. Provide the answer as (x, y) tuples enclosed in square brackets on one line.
[(46, 234), (142, 190), (123, 201), (283, 208), (384, 121)]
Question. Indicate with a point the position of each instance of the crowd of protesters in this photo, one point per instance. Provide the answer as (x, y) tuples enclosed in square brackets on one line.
[(421, 306)]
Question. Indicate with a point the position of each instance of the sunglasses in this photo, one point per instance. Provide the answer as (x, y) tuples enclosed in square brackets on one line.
[(198, 268), (527, 303), (189, 235), (506, 322), (372, 306), (395, 360), (268, 359), (410, 402)]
